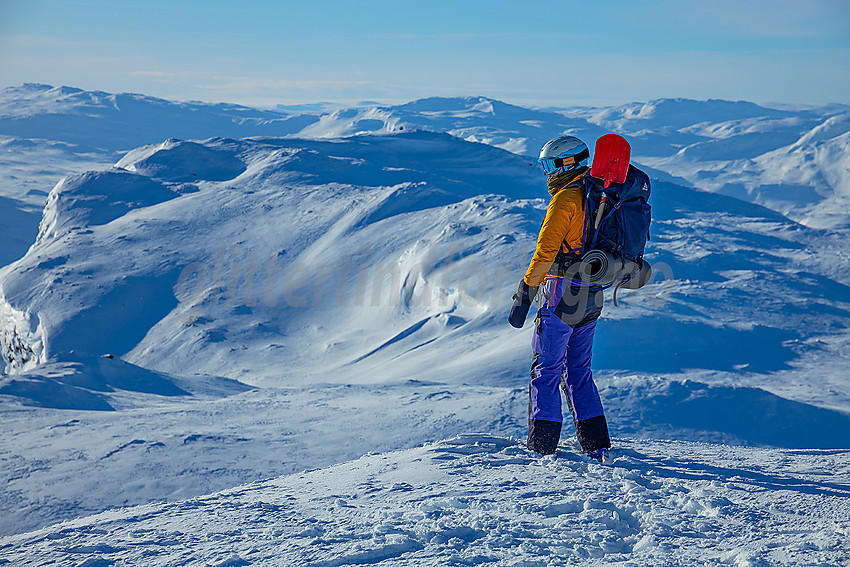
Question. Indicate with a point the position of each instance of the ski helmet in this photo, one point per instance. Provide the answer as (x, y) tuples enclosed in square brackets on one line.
[(555, 150)]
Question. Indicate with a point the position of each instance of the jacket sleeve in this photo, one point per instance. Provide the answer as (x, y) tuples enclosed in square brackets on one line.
[(560, 222)]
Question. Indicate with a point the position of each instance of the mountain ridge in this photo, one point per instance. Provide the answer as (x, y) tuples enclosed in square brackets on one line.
[(350, 191), (246, 307), (735, 147)]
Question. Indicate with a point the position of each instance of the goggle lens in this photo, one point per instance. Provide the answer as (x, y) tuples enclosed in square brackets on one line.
[(550, 165)]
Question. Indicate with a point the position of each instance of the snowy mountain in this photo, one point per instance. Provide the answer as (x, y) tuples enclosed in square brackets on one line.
[(791, 160), (794, 162), (326, 280), (200, 313), (47, 133), (391, 242), (99, 120)]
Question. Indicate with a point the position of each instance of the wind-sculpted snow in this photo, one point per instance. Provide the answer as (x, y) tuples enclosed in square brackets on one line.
[(60, 464), (250, 308), (97, 198), (177, 161), (75, 382), (485, 500), (405, 244), (123, 239)]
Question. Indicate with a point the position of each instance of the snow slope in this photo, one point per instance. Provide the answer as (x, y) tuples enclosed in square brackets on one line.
[(260, 297), (213, 312), (154, 216), (791, 160), (179, 254), (485, 500)]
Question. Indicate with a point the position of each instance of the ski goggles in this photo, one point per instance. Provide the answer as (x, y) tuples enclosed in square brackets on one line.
[(551, 165)]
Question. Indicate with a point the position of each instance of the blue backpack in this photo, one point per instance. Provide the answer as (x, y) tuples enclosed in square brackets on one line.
[(616, 228), (623, 227)]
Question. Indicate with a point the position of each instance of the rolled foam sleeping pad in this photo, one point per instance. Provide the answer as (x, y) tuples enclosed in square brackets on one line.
[(600, 268), (639, 277)]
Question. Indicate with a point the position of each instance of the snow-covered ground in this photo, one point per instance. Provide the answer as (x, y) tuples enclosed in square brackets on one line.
[(210, 313), (485, 500)]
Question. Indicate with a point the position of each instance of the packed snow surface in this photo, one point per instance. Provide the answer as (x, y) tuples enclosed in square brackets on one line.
[(486, 500)]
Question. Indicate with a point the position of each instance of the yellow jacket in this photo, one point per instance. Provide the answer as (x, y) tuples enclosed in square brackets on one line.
[(563, 228)]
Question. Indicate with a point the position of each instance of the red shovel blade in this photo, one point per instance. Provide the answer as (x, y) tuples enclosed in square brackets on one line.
[(611, 159)]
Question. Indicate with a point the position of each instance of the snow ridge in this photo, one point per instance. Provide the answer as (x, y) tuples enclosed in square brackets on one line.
[(197, 314), (791, 160)]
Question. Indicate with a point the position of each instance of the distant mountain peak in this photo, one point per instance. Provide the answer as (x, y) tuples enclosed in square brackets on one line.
[(685, 111), (444, 104), (32, 87)]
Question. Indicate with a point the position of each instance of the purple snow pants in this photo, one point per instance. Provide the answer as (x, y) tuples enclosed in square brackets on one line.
[(562, 352)]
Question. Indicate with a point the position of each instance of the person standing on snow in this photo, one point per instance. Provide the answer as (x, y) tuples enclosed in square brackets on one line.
[(564, 327)]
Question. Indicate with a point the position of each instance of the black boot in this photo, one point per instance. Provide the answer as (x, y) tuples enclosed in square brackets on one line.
[(543, 435), (592, 434)]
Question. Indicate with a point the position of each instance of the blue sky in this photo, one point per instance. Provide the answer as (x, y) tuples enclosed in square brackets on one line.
[(541, 53)]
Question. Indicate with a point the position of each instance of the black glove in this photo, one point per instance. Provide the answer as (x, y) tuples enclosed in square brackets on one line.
[(523, 298)]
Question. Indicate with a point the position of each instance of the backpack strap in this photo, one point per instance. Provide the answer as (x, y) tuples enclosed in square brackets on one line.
[(580, 183), (611, 211)]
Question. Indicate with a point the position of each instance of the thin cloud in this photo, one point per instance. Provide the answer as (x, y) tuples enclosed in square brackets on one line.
[(158, 75), (254, 83), (478, 36), (776, 19), (47, 42)]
